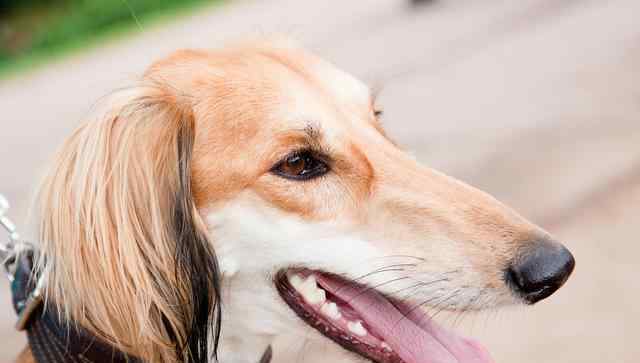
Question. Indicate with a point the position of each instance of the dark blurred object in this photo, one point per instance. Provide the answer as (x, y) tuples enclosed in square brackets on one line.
[(7, 5), (266, 357), (421, 2)]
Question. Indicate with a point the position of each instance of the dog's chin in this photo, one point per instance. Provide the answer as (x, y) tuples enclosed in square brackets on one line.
[(370, 324)]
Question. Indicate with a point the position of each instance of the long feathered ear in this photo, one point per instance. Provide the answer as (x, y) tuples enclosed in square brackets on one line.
[(125, 250)]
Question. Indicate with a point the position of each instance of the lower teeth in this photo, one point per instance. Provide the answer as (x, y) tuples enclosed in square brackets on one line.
[(314, 295), (357, 328)]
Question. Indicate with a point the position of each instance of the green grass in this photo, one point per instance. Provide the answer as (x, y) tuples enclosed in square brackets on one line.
[(35, 33)]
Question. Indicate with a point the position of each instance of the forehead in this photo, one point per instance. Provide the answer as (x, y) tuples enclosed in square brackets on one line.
[(285, 87), (313, 91), (260, 85), (322, 79)]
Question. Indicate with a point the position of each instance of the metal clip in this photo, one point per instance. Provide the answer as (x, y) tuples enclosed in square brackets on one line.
[(9, 249), (29, 306), (9, 260)]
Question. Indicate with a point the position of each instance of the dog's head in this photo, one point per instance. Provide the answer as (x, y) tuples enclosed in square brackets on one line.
[(323, 226)]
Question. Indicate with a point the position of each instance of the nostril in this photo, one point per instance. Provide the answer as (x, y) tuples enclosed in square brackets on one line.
[(541, 272), (514, 278)]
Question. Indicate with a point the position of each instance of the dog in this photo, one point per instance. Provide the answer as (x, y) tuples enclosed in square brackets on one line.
[(248, 199)]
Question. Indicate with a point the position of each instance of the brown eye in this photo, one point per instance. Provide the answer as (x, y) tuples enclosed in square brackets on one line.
[(301, 165), (294, 165)]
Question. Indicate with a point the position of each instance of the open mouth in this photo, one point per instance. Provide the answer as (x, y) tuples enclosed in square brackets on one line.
[(364, 321)]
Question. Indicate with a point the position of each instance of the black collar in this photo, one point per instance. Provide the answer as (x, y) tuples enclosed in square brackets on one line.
[(52, 340), (55, 341)]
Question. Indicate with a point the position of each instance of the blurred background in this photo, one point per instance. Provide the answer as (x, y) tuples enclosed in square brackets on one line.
[(534, 101)]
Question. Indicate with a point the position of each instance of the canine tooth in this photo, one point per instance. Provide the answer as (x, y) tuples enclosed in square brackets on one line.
[(331, 310), (296, 281), (356, 328), (319, 297), (386, 347), (310, 282), (311, 293)]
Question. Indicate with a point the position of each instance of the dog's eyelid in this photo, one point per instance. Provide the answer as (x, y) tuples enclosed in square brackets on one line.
[(306, 164), (318, 152), (376, 109)]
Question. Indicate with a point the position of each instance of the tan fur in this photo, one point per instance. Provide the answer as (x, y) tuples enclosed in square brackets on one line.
[(104, 204), (105, 207)]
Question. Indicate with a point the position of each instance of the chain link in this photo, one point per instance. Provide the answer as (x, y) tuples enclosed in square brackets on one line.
[(8, 249)]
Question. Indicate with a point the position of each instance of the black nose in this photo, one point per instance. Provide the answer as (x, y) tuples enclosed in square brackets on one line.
[(540, 271)]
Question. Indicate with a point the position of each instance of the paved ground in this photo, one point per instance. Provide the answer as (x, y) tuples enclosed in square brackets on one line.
[(536, 101)]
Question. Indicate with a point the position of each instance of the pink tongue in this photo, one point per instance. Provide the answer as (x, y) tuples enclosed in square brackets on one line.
[(413, 336)]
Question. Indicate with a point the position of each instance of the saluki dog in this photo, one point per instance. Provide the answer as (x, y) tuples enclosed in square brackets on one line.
[(248, 198)]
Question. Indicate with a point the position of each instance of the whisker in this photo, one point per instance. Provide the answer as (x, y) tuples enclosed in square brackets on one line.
[(395, 267), (417, 286), (369, 288), (436, 306), (460, 314), (377, 272), (423, 283), (439, 307), (389, 268), (407, 313), (418, 273)]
